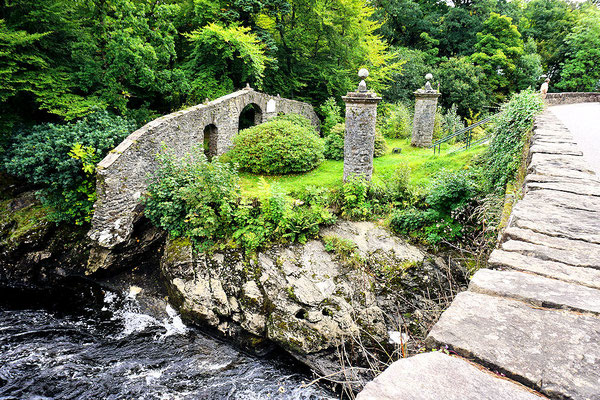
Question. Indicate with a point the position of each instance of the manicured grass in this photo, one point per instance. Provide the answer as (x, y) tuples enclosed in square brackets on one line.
[(423, 163)]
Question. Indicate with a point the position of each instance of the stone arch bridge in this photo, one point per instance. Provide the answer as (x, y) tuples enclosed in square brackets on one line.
[(122, 174)]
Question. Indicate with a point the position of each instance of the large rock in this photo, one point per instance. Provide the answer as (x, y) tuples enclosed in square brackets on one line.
[(436, 376), (304, 298), (555, 351)]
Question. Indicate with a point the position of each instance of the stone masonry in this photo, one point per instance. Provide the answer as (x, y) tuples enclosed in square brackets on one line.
[(534, 316), (425, 108), (122, 175), (359, 141)]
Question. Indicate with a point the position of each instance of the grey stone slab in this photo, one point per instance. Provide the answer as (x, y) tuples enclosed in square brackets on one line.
[(566, 256), (556, 221), (580, 275), (539, 160), (437, 376), (556, 352), (550, 170), (565, 200), (570, 187), (589, 253), (536, 290), (556, 148), (590, 180), (553, 139)]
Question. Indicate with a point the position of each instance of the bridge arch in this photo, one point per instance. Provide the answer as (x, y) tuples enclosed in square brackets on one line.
[(209, 140), (250, 115)]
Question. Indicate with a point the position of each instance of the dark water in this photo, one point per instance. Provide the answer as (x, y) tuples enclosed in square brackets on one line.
[(108, 349)]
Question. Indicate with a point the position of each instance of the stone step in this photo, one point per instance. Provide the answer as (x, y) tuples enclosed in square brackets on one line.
[(555, 148), (582, 276), (564, 199), (544, 252), (527, 235), (541, 160), (437, 376), (569, 187), (556, 221), (536, 290), (556, 352)]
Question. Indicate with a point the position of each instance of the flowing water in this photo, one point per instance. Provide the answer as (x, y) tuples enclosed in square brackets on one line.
[(108, 349)]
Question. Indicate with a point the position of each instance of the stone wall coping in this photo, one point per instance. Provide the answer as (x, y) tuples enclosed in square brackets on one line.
[(554, 99), (358, 97), (427, 95)]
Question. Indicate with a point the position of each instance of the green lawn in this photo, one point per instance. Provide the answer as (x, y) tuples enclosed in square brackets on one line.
[(423, 164)]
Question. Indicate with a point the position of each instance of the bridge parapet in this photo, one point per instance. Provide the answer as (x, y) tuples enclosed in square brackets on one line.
[(122, 174), (555, 99)]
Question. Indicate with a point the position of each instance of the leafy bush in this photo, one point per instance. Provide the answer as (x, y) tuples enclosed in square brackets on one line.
[(380, 145), (397, 122), (393, 187), (332, 114), (284, 145), (437, 221), (192, 197), (334, 142), (202, 201), (62, 158), (503, 157)]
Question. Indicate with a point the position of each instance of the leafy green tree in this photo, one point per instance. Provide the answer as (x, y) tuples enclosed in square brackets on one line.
[(225, 58), (126, 54), (548, 22), (321, 45), (581, 67), (462, 83), (61, 158), (499, 48), (403, 21), (405, 82), (529, 67)]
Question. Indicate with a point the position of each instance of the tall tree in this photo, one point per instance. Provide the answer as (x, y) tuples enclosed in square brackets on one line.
[(498, 50), (581, 67), (548, 22)]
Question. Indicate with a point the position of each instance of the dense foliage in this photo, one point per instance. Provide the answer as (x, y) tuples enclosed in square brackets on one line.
[(334, 142), (201, 200), (62, 160), (435, 219), (284, 145), (503, 156)]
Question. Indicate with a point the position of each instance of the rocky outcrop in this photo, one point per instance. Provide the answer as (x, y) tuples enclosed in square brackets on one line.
[(36, 252), (33, 250), (350, 287)]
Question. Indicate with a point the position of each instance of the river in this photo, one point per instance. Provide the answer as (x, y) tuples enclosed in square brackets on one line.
[(92, 343)]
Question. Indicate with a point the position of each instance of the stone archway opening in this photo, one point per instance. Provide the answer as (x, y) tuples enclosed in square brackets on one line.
[(251, 115), (209, 141)]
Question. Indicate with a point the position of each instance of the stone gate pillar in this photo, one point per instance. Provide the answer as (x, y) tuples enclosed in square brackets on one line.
[(359, 141), (425, 107)]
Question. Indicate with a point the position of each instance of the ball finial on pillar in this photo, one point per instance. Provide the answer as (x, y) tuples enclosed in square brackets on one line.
[(363, 73)]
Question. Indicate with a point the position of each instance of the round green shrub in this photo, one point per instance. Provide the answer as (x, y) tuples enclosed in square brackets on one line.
[(397, 122), (284, 145), (380, 145), (334, 142)]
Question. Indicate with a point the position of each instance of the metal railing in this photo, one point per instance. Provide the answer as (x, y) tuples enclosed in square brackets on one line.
[(468, 139)]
